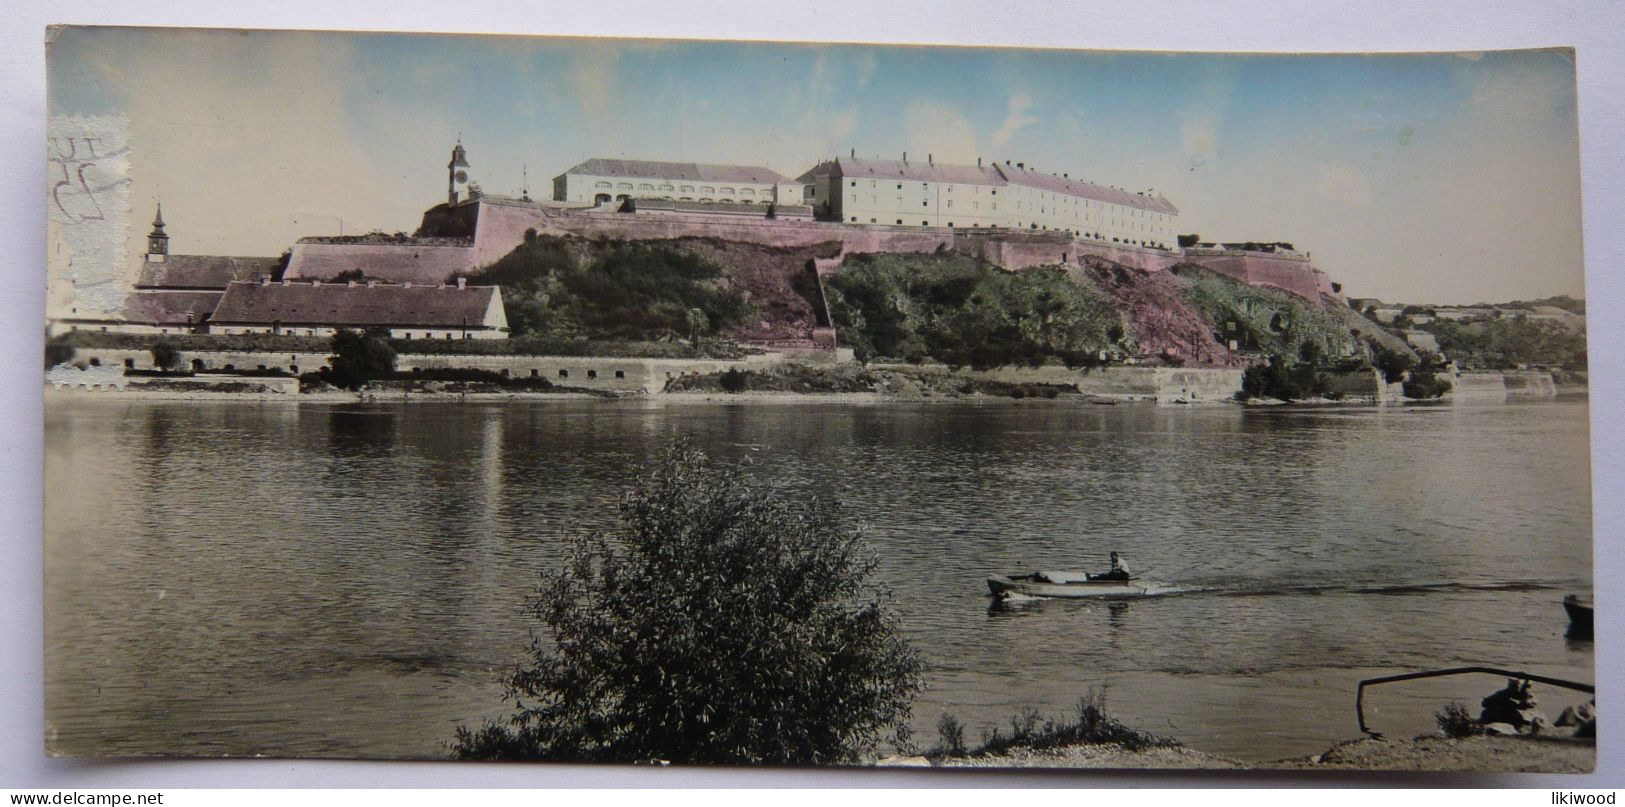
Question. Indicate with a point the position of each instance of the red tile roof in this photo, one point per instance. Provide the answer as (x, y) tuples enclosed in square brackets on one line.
[(170, 307), (860, 168), (333, 304), (204, 271), (691, 172), (1085, 190)]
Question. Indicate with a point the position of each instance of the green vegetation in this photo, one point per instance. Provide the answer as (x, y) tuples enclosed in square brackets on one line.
[(1563, 301), (1089, 724), (58, 351), (1262, 320), (1424, 381), (358, 358), (165, 356), (1506, 343), (1394, 364), (1456, 722), (722, 623), (1286, 379), (620, 291), (965, 312)]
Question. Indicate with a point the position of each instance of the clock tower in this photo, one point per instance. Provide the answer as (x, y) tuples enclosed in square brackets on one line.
[(157, 240), (456, 172)]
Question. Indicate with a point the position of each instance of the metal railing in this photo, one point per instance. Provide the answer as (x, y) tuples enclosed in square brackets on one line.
[(1359, 691)]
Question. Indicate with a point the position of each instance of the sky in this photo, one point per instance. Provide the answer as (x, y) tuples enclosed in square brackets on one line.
[(1435, 178)]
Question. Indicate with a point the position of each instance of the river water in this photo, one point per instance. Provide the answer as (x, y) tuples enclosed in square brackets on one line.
[(309, 579)]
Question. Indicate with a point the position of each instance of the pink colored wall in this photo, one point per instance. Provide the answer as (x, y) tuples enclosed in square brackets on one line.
[(1292, 275), (501, 227)]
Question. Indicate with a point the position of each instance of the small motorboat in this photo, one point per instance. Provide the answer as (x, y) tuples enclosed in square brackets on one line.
[(1580, 611), (1066, 585)]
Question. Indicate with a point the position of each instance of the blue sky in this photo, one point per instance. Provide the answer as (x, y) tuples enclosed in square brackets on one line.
[(1430, 178)]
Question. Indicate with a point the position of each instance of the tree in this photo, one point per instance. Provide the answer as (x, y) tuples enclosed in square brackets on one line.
[(359, 357), (165, 356), (58, 352), (721, 623)]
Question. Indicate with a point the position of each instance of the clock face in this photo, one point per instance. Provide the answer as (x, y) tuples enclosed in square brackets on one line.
[(462, 176)]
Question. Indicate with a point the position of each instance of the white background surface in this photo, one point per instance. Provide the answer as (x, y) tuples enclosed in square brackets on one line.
[(1593, 28)]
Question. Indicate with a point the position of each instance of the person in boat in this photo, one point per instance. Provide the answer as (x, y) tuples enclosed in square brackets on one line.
[(1119, 570)]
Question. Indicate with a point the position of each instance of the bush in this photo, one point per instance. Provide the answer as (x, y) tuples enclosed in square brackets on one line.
[(360, 357), (1089, 724), (1283, 381), (950, 737), (734, 380), (1424, 385), (58, 352), (720, 624), (165, 356), (1393, 363), (1456, 722)]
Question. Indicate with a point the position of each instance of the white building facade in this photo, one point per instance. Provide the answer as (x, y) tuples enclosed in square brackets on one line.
[(602, 181), (1000, 196)]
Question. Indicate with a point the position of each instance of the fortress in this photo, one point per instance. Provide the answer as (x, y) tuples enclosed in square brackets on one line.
[(1010, 215)]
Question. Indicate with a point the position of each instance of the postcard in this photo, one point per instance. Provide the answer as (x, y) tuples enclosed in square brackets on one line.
[(706, 402)]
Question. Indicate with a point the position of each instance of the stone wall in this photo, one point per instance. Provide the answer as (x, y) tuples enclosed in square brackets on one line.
[(634, 375), (1477, 387), (1290, 274), (1529, 384), (1164, 384), (1359, 385)]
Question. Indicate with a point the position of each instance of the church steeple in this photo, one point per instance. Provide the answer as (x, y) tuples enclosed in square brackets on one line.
[(157, 240), (456, 172)]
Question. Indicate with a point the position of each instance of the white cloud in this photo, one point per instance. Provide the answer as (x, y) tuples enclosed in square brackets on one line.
[(1015, 118)]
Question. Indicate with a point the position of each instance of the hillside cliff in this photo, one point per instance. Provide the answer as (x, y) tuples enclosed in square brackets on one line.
[(942, 306)]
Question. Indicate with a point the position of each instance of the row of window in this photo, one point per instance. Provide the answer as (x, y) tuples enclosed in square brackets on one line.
[(626, 186)]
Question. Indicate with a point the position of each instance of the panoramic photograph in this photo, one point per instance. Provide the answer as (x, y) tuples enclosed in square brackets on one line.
[(456, 397)]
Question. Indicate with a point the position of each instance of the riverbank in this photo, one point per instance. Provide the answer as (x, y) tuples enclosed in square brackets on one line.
[(1471, 754)]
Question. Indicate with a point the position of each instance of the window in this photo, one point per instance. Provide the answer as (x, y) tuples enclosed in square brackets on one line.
[(665, 187), (602, 185), (620, 374), (535, 373), (625, 186), (854, 219), (688, 189), (646, 187), (592, 373), (899, 221), (899, 186), (871, 221), (925, 203), (746, 192), (854, 183), (708, 190), (925, 224), (728, 191), (564, 374)]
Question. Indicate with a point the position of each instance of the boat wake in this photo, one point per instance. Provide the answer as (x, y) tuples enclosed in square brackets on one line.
[(1151, 590)]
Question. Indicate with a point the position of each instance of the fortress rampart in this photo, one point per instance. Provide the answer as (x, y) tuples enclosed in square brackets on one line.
[(493, 226)]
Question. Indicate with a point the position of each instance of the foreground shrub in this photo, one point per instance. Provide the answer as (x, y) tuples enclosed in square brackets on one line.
[(720, 624), (1455, 721), (1089, 724)]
